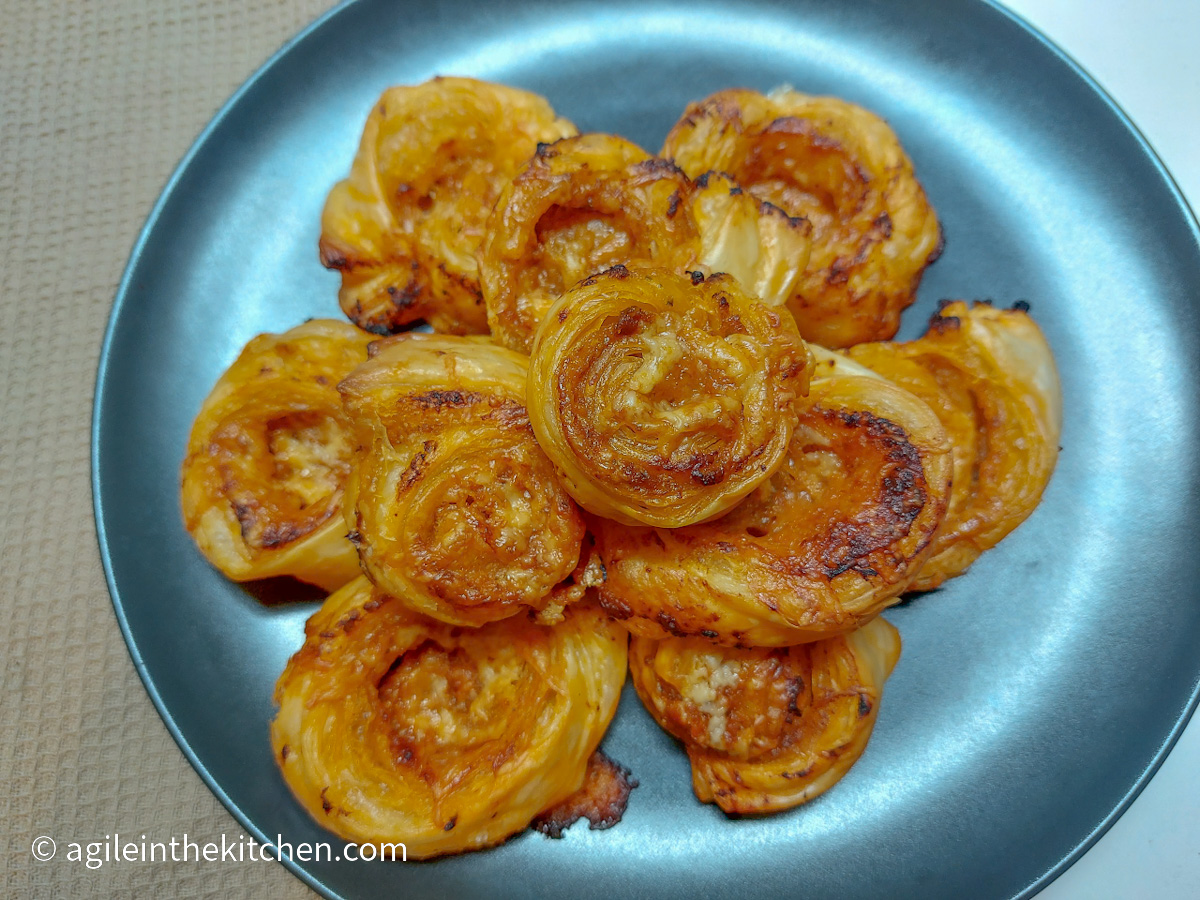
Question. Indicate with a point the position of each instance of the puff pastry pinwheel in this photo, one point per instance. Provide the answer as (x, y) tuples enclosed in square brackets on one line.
[(453, 506), (843, 169), (269, 455), (403, 227), (829, 541), (765, 729), (990, 376), (664, 399), (590, 202), (395, 728)]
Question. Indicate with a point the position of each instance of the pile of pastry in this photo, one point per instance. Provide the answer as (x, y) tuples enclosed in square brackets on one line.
[(658, 427)]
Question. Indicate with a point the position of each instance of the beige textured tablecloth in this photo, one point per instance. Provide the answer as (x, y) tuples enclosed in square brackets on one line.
[(98, 102)]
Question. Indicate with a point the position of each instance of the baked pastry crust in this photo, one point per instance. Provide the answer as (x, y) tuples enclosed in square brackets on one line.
[(828, 542)]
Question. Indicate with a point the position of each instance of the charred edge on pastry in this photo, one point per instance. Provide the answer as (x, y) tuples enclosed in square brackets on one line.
[(630, 321), (332, 258), (767, 208), (903, 496), (403, 298), (940, 324), (936, 253), (668, 624), (658, 166), (614, 606), (437, 399), (417, 467), (602, 800)]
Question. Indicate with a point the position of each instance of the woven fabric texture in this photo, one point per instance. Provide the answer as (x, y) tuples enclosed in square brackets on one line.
[(98, 102)]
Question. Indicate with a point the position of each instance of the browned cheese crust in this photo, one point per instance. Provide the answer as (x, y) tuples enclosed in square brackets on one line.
[(602, 799)]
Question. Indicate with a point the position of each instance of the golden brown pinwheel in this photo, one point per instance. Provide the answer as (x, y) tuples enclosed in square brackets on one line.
[(404, 227), (765, 729), (269, 455), (842, 168), (590, 202), (581, 205), (990, 377), (664, 399), (395, 728), (453, 506), (829, 541)]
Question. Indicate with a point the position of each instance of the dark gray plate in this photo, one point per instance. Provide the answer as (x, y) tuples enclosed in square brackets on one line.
[(1036, 695)]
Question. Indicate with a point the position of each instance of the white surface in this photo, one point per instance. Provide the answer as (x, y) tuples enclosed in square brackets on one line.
[(1146, 56)]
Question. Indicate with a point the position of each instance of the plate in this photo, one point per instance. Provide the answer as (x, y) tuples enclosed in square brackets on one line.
[(1035, 696)]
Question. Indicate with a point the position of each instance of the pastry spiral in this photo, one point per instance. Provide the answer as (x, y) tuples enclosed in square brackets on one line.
[(664, 399), (990, 377), (766, 730), (830, 540), (269, 455), (403, 228), (581, 205), (395, 728), (453, 506), (590, 202), (843, 169)]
